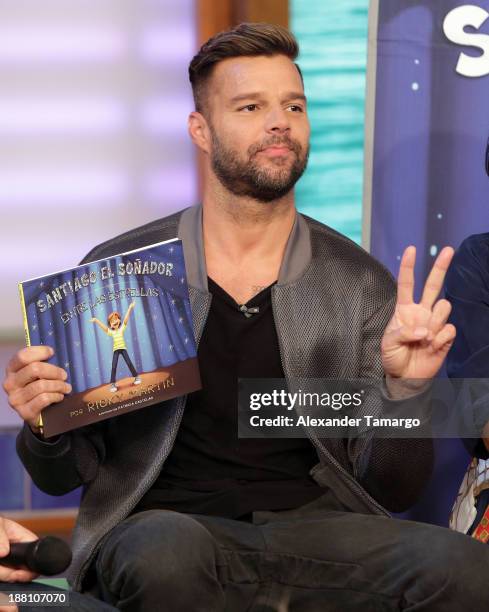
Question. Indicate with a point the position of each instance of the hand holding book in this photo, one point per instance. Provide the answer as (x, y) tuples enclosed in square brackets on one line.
[(32, 385), (144, 356)]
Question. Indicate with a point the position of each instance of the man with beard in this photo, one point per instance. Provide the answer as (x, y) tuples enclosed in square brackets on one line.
[(177, 511)]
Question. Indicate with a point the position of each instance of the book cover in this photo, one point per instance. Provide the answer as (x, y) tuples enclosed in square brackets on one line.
[(122, 329)]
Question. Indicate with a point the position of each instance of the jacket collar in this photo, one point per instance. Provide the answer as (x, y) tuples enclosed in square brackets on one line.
[(297, 256)]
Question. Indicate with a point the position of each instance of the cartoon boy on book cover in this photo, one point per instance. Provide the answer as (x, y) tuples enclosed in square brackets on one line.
[(116, 331)]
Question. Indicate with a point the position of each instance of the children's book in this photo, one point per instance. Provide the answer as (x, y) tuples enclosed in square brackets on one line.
[(122, 329)]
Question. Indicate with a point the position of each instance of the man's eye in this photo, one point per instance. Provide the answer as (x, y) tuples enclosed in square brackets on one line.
[(296, 108), (249, 107)]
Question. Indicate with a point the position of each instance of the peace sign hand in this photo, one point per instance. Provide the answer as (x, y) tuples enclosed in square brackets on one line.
[(418, 337)]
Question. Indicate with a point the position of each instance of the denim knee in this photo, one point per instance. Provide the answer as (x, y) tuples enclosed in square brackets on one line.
[(159, 552)]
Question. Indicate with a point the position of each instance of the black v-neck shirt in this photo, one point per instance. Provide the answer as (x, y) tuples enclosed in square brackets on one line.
[(210, 470)]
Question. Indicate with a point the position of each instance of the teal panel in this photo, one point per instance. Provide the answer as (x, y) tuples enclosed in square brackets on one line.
[(332, 37)]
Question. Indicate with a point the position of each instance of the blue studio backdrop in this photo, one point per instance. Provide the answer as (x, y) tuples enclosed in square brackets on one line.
[(428, 184)]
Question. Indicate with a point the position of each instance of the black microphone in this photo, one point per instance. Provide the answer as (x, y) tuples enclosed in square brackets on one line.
[(47, 556), (248, 312)]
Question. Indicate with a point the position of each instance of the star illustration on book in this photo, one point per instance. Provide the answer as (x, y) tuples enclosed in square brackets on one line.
[(50, 332), (77, 344), (186, 340), (173, 302), (67, 364), (182, 280), (180, 320), (171, 347), (34, 327)]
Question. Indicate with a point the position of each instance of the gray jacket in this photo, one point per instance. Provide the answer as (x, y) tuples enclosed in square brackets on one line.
[(331, 304)]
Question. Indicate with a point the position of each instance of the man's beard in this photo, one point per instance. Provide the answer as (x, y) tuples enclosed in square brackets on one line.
[(248, 178)]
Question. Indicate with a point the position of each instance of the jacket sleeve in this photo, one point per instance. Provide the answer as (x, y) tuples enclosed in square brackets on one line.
[(393, 471), (60, 466), (467, 289)]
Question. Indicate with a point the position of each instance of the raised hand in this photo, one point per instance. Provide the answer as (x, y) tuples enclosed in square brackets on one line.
[(418, 337)]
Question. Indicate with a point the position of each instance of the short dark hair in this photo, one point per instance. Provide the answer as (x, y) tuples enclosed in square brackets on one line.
[(244, 40)]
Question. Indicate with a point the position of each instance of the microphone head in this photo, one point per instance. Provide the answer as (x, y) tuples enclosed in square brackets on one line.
[(50, 556)]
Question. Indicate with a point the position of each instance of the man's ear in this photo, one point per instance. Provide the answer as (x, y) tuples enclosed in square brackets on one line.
[(199, 131)]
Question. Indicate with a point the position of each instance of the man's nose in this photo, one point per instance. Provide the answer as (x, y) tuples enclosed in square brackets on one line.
[(277, 121)]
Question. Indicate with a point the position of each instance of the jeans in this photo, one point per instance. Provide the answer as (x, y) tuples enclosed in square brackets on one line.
[(115, 358), (340, 561)]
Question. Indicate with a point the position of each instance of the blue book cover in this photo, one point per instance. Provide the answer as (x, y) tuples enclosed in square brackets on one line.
[(122, 329)]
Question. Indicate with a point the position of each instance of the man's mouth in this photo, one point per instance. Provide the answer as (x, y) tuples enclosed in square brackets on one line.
[(276, 150)]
